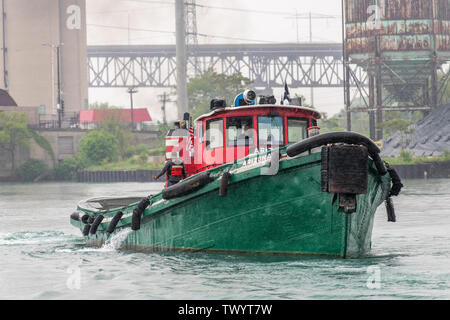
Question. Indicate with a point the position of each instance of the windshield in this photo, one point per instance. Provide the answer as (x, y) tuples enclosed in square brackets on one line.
[(297, 129), (239, 131), (270, 131)]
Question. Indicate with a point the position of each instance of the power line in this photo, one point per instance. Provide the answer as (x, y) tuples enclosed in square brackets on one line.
[(283, 13), (149, 2), (235, 9), (126, 28), (173, 33)]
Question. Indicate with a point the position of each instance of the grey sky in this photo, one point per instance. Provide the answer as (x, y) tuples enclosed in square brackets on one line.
[(253, 24)]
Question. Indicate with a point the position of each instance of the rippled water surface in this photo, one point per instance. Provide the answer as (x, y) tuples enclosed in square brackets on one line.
[(44, 257)]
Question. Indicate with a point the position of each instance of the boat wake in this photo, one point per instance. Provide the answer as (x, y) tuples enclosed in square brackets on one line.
[(112, 244), (33, 238)]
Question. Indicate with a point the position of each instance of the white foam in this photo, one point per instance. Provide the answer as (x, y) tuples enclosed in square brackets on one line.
[(114, 243)]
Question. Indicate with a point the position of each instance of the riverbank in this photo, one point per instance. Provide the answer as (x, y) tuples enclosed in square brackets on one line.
[(426, 170)]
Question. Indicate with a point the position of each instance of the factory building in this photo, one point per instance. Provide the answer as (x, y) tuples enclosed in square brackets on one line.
[(43, 62)]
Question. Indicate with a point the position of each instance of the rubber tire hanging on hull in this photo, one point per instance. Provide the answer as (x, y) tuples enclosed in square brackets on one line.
[(75, 216), (339, 137), (185, 187), (95, 225), (224, 184), (137, 213), (390, 210), (86, 230), (85, 218), (115, 220)]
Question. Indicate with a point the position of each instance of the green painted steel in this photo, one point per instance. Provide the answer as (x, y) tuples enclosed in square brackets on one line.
[(284, 213)]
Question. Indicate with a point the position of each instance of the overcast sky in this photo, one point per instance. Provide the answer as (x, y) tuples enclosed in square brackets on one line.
[(259, 21)]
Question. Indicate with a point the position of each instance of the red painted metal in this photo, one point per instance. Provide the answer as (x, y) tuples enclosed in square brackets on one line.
[(204, 158)]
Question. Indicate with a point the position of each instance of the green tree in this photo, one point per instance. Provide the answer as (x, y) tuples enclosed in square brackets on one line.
[(400, 122), (31, 170), (210, 85), (99, 146), (331, 124), (14, 133), (68, 168), (114, 124)]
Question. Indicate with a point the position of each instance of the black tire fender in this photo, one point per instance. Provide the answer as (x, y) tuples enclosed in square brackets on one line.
[(224, 184), (136, 220), (339, 137), (85, 218), (95, 224), (115, 220), (75, 216), (86, 230), (185, 187)]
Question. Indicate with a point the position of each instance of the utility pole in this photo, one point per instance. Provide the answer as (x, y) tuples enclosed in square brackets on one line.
[(346, 72), (4, 49), (58, 71), (180, 26), (132, 91), (59, 100), (310, 27), (164, 99), (309, 17)]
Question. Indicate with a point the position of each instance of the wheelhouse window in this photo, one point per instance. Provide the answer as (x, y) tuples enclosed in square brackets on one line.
[(200, 134), (297, 129), (240, 131), (270, 131), (214, 133)]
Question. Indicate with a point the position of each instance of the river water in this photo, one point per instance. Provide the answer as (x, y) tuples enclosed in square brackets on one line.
[(44, 257)]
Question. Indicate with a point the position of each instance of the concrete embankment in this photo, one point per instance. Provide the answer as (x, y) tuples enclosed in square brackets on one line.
[(423, 170), (118, 176)]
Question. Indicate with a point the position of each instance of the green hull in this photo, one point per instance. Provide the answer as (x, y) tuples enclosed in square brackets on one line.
[(286, 213)]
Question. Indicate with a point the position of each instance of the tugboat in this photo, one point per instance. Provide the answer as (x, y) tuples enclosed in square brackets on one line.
[(260, 179)]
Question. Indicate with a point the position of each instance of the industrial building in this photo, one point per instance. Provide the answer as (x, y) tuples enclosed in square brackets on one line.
[(43, 62)]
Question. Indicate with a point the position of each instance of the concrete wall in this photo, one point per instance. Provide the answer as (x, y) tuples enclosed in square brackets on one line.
[(33, 30), (32, 113)]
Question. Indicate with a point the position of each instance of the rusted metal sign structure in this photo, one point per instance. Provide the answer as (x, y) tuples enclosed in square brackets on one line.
[(401, 44)]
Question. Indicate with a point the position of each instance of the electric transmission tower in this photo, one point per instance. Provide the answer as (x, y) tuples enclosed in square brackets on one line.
[(191, 33)]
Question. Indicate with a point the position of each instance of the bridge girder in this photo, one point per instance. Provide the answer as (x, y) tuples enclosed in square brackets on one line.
[(316, 65)]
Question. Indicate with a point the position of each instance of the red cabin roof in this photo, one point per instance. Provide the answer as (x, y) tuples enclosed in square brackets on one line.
[(121, 115)]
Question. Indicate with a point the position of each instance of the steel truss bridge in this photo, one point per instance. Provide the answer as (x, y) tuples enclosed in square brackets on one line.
[(300, 65)]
